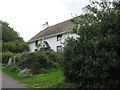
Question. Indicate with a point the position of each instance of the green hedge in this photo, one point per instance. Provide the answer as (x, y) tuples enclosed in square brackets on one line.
[(14, 46), (22, 60), (36, 61), (93, 59), (91, 65), (6, 56), (54, 59)]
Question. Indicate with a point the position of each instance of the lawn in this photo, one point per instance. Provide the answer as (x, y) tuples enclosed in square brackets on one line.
[(45, 80)]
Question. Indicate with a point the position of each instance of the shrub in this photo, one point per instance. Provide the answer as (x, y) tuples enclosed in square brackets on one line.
[(23, 61), (13, 68), (38, 61), (3, 65), (8, 66), (64, 85), (93, 60), (14, 47), (53, 58), (6, 56), (90, 65), (18, 70)]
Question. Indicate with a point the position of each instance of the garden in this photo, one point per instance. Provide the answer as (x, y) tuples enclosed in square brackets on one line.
[(89, 61)]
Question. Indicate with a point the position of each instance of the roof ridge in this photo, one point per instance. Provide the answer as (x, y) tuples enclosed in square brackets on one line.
[(56, 28)]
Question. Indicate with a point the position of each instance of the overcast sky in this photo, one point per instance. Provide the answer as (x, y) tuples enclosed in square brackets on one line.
[(27, 16)]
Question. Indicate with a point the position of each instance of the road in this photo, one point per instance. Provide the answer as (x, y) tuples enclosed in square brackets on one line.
[(9, 82)]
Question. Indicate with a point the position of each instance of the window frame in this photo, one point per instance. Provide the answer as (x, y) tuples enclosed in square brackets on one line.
[(59, 37), (36, 50), (36, 42), (59, 48)]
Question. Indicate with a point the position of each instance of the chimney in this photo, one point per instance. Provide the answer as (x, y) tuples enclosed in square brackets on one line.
[(45, 25)]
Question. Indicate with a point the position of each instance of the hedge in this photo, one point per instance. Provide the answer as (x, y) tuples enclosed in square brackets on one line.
[(91, 65), (6, 56), (35, 61)]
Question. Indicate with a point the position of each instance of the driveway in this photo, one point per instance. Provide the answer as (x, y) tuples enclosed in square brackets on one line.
[(9, 82)]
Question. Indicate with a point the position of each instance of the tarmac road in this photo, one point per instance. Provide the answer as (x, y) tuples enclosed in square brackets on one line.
[(9, 82)]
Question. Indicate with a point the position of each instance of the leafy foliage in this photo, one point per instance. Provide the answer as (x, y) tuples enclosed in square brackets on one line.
[(8, 34), (11, 41), (93, 60), (36, 61), (53, 58), (13, 68), (23, 61), (14, 46), (6, 56)]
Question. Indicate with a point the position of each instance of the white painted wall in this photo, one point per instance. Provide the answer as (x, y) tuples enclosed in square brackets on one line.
[(52, 41), (31, 47)]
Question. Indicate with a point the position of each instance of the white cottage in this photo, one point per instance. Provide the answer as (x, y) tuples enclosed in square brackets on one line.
[(52, 37)]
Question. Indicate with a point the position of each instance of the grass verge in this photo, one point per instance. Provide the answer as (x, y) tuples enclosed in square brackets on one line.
[(0, 66), (45, 80)]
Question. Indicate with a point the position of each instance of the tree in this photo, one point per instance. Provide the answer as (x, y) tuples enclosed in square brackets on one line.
[(93, 60), (14, 46), (11, 41), (8, 34)]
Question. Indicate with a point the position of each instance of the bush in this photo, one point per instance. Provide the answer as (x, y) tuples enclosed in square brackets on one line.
[(23, 61), (14, 46), (63, 85), (93, 59), (13, 69), (91, 65), (38, 60), (6, 56), (8, 66), (53, 58)]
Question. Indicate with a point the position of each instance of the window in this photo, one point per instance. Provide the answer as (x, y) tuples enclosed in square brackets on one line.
[(59, 48), (36, 42), (36, 50), (59, 37), (78, 26)]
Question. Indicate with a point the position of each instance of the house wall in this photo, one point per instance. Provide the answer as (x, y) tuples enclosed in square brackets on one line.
[(52, 41), (32, 47)]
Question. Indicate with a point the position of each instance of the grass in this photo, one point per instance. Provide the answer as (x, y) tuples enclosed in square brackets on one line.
[(53, 77), (0, 66)]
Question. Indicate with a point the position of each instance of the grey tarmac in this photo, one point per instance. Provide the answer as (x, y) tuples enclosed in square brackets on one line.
[(8, 82)]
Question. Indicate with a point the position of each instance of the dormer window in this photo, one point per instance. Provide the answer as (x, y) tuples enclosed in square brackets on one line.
[(59, 37), (36, 42)]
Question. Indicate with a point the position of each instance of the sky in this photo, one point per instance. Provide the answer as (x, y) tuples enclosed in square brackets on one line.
[(27, 16)]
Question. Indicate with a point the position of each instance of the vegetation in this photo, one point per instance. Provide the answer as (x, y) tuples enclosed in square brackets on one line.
[(11, 41), (44, 71), (35, 61), (6, 56), (14, 46), (43, 80), (8, 34), (89, 61), (93, 59), (0, 66)]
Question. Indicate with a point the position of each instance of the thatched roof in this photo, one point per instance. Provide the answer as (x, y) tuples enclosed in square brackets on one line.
[(51, 30)]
